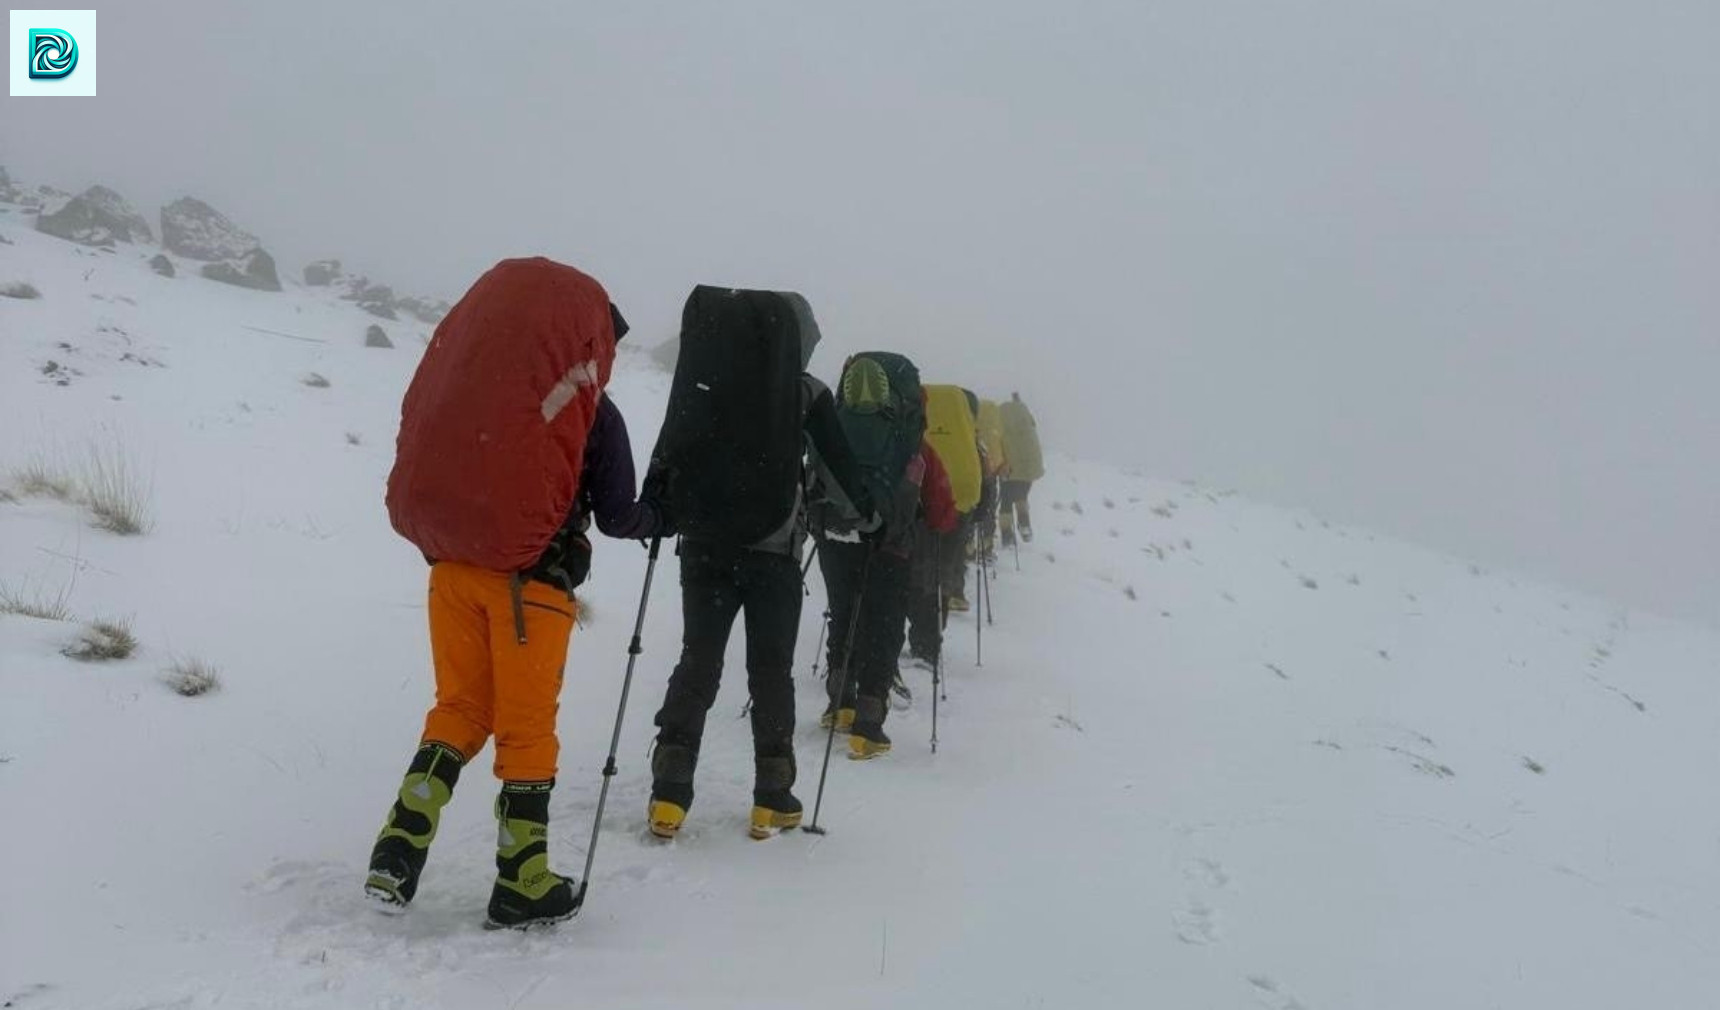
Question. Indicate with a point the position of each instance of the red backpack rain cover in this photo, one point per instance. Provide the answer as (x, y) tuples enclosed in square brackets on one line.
[(493, 427)]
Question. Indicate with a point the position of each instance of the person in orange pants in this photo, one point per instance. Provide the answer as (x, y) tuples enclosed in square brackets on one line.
[(488, 678), (499, 641)]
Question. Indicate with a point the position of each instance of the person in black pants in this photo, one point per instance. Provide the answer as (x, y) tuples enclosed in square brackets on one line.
[(883, 601), (719, 582), (925, 610), (922, 496)]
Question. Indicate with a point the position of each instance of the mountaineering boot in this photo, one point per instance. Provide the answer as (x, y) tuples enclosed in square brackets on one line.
[(401, 848), (842, 717), (775, 808), (672, 765), (868, 740), (526, 892), (957, 603), (1007, 535), (1026, 533)]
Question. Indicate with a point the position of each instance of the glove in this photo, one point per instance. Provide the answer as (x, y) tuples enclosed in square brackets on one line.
[(665, 520), (872, 527)]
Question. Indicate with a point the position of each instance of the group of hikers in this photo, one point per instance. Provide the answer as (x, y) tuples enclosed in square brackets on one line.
[(509, 451)]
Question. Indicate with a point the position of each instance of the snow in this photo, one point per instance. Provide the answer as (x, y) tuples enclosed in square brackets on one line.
[(1219, 754)]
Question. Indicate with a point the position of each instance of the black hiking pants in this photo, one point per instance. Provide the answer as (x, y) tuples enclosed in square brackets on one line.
[(952, 556), (925, 609), (883, 604), (718, 582)]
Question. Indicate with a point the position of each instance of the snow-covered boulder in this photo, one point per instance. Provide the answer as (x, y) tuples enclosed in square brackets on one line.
[(422, 309), (161, 265), (255, 270), (376, 299), (40, 197), (195, 230), (322, 273), (98, 216)]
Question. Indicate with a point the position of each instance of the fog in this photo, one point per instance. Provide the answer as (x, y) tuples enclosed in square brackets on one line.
[(1450, 270)]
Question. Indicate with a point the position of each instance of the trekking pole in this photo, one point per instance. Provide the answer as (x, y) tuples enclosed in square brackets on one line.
[(811, 556), (978, 603), (987, 572), (841, 688), (818, 653), (937, 665), (634, 648), (938, 661)]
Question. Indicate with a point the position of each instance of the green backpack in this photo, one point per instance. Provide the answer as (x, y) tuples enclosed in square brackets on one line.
[(883, 414)]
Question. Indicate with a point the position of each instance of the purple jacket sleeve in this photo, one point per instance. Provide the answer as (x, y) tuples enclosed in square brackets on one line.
[(609, 486)]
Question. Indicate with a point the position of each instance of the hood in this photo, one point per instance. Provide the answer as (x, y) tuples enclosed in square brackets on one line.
[(806, 324)]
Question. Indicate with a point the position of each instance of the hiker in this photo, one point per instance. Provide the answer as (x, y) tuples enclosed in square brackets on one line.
[(989, 419), (742, 412), (925, 615), (952, 432), (502, 520), (883, 411), (1023, 464)]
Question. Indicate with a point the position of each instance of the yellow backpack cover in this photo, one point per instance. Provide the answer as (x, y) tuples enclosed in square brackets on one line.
[(950, 430)]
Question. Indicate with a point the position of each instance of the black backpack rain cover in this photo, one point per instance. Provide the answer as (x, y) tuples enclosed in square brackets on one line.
[(730, 451)]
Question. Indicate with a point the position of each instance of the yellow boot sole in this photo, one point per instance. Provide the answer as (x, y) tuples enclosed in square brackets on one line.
[(844, 720), (666, 819), (862, 749), (768, 823)]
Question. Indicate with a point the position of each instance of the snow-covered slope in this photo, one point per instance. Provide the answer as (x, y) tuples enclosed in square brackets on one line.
[(1218, 755)]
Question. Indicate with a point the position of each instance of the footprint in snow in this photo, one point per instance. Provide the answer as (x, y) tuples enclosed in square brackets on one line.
[(1270, 994), (1197, 922), (1208, 872)]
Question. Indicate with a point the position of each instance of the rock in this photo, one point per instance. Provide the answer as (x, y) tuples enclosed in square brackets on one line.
[(40, 197), (195, 230), (98, 216), (255, 270), (161, 265), (8, 192), (422, 309), (376, 336), (19, 289), (322, 273), (376, 299)]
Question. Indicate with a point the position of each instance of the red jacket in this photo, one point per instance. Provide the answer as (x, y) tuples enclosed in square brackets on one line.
[(937, 501)]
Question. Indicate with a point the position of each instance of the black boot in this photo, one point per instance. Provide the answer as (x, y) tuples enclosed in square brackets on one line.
[(867, 739), (775, 807), (526, 892), (397, 860), (672, 764)]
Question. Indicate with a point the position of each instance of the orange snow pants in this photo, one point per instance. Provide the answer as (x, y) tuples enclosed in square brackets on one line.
[(487, 680)]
